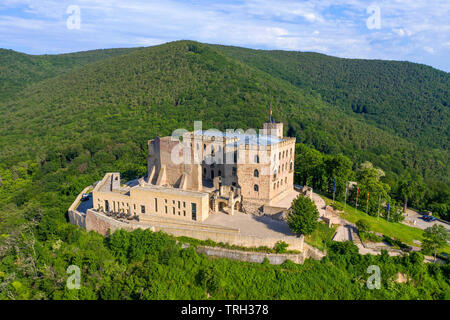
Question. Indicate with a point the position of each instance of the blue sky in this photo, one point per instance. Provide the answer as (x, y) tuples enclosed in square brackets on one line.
[(413, 30)]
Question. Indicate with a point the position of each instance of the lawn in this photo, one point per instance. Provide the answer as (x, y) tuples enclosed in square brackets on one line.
[(394, 230), (322, 234)]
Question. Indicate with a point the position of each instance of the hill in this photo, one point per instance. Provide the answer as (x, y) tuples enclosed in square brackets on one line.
[(18, 70), (407, 99), (63, 126), (157, 89)]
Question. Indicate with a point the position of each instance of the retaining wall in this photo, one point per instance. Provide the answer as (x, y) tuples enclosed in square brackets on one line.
[(101, 223), (258, 257)]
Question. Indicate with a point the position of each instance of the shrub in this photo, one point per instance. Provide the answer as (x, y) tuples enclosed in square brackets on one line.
[(280, 247), (363, 225), (303, 217)]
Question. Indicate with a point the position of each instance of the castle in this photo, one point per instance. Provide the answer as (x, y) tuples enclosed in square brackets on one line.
[(199, 173)]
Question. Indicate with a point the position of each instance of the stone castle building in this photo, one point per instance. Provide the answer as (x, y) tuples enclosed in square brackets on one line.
[(199, 173)]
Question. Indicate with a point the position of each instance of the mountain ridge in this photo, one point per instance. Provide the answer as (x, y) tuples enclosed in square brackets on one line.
[(176, 83)]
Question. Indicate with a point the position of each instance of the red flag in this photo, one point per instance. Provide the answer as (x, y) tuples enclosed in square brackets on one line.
[(367, 203), (357, 194)]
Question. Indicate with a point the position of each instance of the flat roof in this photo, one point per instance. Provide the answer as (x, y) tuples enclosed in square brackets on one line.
[(170, 190), (241, 138)]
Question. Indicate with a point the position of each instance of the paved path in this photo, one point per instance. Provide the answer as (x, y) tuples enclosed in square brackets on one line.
[(412, 216), (320, 203), (249, 224), (343, 233), (286, 202)]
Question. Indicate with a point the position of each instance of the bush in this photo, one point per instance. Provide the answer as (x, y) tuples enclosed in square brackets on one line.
[(280, 247), (396, 243), (343, 248), (363, 225), (369, 236), (337, 206), (303, 217)]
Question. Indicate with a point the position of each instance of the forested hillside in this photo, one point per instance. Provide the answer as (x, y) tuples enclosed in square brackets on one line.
[(18, 70), (66, 120), (157, 89), (408, 99)]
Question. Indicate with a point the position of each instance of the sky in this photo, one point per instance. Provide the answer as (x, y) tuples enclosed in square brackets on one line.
[(412, 30)]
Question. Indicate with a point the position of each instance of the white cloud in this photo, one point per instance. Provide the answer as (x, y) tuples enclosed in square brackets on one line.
[(429, 49), (336, 27)]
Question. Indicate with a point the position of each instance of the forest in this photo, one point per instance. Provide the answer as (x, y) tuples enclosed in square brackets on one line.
[(65, 120)]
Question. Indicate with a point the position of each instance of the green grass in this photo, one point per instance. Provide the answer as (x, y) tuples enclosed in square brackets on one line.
[(320, 236), (394, 230)]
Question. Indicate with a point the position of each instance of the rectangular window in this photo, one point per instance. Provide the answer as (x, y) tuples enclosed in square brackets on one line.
[(184, 213), (184, 204), (179, 204), (194, 211), (142, 209), (166, 209), (173, 210), (156, 204)]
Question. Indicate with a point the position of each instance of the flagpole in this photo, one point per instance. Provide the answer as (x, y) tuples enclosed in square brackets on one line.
[(389, 204), (334, 188), (345, 196), (379, 202), (367, 204)]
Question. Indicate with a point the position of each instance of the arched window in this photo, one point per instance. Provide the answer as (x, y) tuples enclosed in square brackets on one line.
[(285, 180), (256, 159), (204, 146), (290, 166), (278, 184), (256, 188), (256, 173), (204, 171), (219, 173), (274, 186)]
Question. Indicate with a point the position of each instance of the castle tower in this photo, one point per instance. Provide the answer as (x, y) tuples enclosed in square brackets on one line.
[(273, 129)]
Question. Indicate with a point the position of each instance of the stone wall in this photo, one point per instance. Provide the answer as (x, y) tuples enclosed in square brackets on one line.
[(101, 223), (75, 217), (249, 256), (277, 213)]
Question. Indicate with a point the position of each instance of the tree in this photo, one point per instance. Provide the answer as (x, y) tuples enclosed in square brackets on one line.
[(435, 238), (303, 217), (363, 225), (368, 178), (339, 167)]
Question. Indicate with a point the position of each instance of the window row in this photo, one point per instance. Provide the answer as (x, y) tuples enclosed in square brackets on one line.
[(277, 184)]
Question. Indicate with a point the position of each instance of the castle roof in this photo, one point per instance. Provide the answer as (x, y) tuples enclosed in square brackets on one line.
[(240, 138)]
